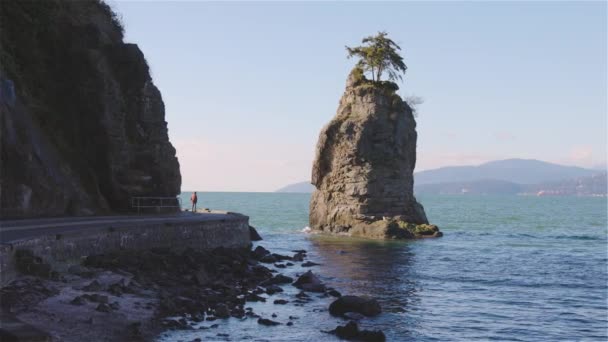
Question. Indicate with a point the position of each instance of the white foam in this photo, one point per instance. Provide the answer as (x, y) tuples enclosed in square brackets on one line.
[(307, 230)]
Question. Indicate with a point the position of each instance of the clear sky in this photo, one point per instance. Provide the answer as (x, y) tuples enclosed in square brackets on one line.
[(248, 86)]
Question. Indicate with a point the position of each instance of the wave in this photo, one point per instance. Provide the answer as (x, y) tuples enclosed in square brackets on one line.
[(306, 230)]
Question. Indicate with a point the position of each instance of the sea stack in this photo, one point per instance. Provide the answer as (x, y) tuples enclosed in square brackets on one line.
[(363, 169)]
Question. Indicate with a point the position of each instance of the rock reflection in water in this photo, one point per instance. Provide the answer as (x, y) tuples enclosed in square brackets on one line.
[(369, 267)]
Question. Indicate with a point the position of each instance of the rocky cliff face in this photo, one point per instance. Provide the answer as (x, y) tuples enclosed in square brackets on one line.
[(363, 167), (82, 124)]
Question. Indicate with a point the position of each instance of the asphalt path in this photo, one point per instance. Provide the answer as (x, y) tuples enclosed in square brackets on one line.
[(15, 230)]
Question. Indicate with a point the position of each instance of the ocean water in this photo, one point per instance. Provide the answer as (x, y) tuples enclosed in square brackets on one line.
[(508, 268)]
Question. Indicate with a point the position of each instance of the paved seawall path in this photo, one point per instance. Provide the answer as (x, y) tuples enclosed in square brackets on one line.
[(15, 230)]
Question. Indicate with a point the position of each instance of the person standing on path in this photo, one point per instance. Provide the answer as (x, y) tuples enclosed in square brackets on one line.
[(194, 199)]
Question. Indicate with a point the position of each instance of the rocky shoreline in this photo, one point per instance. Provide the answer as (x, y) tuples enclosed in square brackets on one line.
[(136, 295)]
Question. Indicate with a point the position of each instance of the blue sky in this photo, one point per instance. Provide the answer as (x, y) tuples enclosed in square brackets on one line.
[(248, 86)]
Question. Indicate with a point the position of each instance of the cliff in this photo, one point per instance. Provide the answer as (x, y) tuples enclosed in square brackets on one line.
[(363, 168), (82, 124)]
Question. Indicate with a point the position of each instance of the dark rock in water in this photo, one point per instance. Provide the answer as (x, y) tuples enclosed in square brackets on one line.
[(281, 257), (251, 297), (299, 251), (278, 279), (253, 234), (268, 259), (309, 282), (289, 264), (289, 324), (274, 315), (363, 305), (259, 252), (281, 301), (298, 257), (267, 322), (302, 295), (222, 311), (272, 289), (279, 265), (351, 331), (310, 264), (334, 293)]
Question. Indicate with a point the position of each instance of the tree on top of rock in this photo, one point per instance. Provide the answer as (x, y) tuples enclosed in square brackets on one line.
[(377, 55)]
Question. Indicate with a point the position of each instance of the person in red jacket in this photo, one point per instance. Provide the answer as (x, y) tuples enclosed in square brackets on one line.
[(193, 199)]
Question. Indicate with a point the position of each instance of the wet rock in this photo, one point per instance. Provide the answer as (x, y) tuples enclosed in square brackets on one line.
[(279, 265), (363, 305), (298, 257), (277, 279), (267, 322), (281, 257), (334, 293), (114, 306), (281, 301), (259, 252), (251, 297), (351, 331), (309, 282), (310, 264), (299, 251), (272, 289), (268, 259), (222, 311), (253, 234), (289, 324), (302, 295)]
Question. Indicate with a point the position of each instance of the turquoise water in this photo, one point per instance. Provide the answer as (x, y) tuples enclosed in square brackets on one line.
[(508, 268)]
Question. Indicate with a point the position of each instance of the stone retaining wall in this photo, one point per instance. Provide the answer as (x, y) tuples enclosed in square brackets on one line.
[(63, 250)]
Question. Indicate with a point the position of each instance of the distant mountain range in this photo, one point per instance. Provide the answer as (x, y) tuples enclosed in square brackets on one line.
[(520, 171), (510, 176)]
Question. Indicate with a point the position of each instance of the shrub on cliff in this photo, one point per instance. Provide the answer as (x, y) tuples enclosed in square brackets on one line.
[(377, 55)]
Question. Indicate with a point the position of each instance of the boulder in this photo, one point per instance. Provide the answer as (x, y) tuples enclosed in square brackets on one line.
[(309, 282), (363, 169), (253, 234), (351, 331), (364, 305), (222, 311), (259, 252)]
